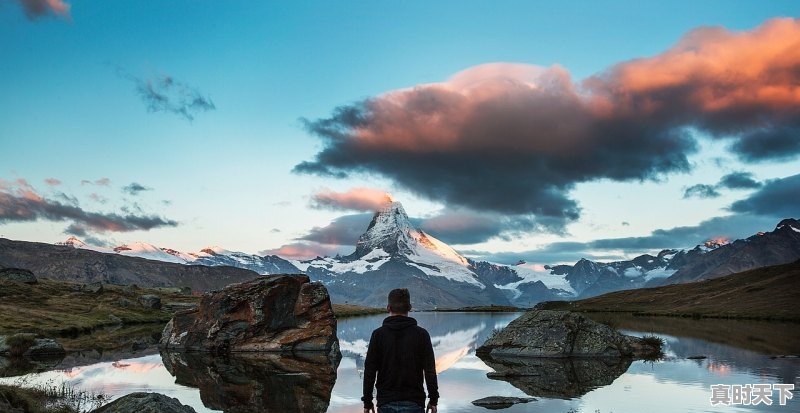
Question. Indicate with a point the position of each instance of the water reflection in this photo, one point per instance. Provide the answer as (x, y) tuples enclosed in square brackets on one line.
[(558, 378), (273, 383), (256, 382)]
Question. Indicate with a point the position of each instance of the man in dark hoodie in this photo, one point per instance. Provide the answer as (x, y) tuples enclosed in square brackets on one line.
[(401, 355)]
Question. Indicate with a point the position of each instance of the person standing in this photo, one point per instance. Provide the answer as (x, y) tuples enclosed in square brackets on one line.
[(400, 354)]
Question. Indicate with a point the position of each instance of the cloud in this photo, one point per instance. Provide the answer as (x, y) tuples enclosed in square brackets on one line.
[(356, 199), (135, 188), (778, 199), (20, 202), (343, 230), (463, 226), (169, 95), (99, 182), (701, 191), (612, 249), (52, 182), (739, 180), (98, 198), (305, 250), (35, 9), (516, 139)]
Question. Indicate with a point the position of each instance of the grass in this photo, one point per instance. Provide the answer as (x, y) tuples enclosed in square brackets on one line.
[(55, 308), (19, 343), (49, 398), (352, 310), (768, 293)]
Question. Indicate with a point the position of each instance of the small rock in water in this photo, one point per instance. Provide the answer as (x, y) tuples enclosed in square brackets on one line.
[(501, 402), (697, 357)]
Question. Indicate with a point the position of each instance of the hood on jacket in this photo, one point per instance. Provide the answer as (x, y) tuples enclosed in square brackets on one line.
[(399, 322)]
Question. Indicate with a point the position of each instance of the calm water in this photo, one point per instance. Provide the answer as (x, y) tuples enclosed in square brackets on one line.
[(738, 353)]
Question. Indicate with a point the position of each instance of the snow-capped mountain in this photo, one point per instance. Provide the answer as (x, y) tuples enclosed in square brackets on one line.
[(212, 256), (392, 253)]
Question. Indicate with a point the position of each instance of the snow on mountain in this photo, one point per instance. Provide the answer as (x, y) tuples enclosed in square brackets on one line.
[(391, 235), (211, 256), (148, 251)]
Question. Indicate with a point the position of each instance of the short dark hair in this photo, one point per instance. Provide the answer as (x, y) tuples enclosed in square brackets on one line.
[(399, 300)]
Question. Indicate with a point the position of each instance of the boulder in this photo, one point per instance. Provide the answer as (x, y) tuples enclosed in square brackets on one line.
[(145, 403), (282, 313), (18, 275), (549, 333), (150, 301), (44, 347), (501, 402), (27, 345), (93, 288)]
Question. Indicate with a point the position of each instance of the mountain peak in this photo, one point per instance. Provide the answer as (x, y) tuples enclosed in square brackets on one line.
[(791, 223), (72, 241), (389, 230)]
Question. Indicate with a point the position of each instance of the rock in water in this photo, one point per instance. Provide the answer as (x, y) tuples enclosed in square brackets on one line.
[(501, 402), (548, 333), (145, 403), (18, 275), (283, 313)]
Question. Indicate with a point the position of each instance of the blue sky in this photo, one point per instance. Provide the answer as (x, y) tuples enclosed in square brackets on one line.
[(70, 110)]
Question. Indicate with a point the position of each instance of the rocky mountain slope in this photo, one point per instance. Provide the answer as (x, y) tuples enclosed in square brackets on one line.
[(211, 256), (770, 248), (66, 263)]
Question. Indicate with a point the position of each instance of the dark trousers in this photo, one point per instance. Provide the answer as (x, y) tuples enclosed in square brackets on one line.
[(401, 407)]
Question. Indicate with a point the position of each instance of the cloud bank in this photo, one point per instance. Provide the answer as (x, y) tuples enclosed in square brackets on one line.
[(20, 202), (515, 139)]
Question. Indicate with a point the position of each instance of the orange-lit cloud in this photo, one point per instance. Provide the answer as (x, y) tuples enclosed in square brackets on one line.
[(38, 8), (517, 138), (304, 250), (355, 199)]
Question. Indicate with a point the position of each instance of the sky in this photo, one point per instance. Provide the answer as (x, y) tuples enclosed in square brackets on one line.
[(543, 131)]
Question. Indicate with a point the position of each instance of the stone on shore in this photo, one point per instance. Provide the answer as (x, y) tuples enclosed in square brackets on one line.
[(548, 333), (283, 313), (150, 301), (18, 275), (145, 403)]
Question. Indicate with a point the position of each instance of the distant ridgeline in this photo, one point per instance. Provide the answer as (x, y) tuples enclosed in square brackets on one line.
[(394, 253)]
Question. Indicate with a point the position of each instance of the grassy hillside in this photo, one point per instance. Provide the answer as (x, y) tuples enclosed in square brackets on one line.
[(56, 308), (770, 293)]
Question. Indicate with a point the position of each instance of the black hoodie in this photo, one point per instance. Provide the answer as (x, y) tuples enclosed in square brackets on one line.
[(401, 354)]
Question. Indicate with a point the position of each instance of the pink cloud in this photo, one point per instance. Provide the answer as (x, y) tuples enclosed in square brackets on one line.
[(305, 250), (38, 8), (356, 199), (52, 182), (516, 138)]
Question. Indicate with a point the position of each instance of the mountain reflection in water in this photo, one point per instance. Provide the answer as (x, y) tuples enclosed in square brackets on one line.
[(738, 353)]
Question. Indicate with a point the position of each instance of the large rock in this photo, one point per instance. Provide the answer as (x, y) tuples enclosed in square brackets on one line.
[(18, 275), (145, 403), (548, 333), (283, 313)]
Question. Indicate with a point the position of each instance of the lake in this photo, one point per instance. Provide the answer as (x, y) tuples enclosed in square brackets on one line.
[(738, 352)]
